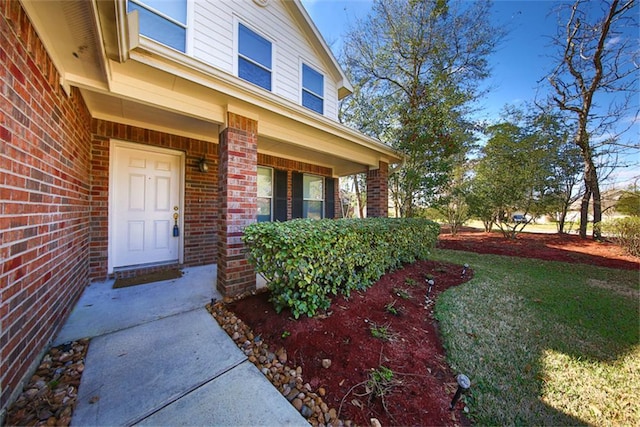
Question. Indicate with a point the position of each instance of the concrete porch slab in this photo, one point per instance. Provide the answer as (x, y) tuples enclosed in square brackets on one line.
[(134, 372), (239, 397), (102, 309)]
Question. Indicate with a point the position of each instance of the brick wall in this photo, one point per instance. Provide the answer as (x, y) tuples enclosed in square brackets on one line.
[(378, 191), (238, 190), (200, 210), (44, 199)]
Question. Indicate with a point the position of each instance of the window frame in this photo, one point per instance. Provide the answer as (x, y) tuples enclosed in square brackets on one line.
[(271, 198), (306, 200), (304, 89), (185, 26), (239, 56)]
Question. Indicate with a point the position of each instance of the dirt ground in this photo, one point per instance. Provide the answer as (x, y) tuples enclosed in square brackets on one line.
[(422, 385)]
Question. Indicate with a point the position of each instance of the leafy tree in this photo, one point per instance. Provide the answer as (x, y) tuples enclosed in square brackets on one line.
[(516, 172), (452, 204), (565, 167), (416, 66), (596, 57), (629, 203)]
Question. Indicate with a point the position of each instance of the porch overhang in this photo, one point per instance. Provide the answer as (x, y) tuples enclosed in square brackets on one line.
[(132, 80)]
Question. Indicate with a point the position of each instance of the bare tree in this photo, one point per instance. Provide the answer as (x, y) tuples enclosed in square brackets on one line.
[(596, 57)]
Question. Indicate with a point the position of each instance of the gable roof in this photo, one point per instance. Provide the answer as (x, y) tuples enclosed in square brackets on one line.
[(311, 31)]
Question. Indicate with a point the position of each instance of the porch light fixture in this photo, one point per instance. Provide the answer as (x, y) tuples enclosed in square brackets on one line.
[(203, 165)]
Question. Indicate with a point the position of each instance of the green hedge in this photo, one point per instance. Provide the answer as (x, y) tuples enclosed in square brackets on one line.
[(624, 232), (305, 262)]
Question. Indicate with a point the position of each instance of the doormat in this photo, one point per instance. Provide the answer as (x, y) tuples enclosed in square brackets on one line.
[(157, 276)]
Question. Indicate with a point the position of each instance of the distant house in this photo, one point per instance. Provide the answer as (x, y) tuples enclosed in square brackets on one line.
[(143, 135)]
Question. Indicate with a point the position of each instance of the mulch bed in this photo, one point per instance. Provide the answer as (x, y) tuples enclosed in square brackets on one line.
[(546, 246), (293, 354), (343, 336)]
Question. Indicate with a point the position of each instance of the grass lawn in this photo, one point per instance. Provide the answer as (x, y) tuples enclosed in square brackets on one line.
[(544, 343)]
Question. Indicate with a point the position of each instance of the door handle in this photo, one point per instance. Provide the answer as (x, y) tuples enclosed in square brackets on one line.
[(176, 229)]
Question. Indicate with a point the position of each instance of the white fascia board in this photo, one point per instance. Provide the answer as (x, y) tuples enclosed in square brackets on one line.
[(181, 66)]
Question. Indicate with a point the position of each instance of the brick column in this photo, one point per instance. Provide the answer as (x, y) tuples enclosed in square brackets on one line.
[(378, 191), (237, 193)]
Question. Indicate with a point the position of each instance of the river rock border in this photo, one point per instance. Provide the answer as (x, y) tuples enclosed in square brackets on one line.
[(50, 396), (273, 364)]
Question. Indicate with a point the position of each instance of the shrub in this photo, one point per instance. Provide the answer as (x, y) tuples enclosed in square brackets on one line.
[(625, 232), (305, 262)]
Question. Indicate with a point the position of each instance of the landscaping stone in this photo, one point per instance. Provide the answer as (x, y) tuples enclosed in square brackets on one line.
[(50, 396), (273, 364)]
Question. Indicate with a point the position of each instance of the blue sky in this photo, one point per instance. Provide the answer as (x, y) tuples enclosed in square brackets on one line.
[(519, 63)]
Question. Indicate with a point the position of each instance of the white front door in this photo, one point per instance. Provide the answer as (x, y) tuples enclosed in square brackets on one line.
[(145, 189)]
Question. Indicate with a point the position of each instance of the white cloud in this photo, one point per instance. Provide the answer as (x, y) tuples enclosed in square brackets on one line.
[(612, 42)]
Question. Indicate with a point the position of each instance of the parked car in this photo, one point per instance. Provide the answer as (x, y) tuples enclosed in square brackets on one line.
[(521, 219)]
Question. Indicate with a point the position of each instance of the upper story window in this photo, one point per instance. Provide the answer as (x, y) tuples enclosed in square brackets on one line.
[(163, 21), (265, 194), (312, 89), (254, 58), (313, 196)]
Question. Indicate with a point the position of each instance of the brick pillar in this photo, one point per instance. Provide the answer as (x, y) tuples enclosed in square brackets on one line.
[(238, 189), (378, 191)]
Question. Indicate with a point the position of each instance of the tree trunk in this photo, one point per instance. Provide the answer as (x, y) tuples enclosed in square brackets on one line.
[(584, 210), (356, 187), (562, 219), (591, 179)]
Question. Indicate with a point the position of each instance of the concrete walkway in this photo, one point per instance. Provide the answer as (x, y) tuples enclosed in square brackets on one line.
[(157, 357)]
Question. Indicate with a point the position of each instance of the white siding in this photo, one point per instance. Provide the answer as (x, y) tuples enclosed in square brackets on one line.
[(213, 43)]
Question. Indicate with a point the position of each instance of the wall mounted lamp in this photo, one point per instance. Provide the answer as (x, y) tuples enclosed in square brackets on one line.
[(203, 165)]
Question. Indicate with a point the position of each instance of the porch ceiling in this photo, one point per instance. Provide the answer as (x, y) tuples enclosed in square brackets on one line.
[(158, 90)]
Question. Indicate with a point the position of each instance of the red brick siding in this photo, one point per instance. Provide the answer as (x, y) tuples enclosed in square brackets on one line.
[(200, 210), (297, 166), (378, 191), (44, 196), (238, 189)]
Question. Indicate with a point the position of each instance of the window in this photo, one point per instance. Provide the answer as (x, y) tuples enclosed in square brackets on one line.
[(254, 58), (265, 193), (313, 196), (312, 89), (163, 21)]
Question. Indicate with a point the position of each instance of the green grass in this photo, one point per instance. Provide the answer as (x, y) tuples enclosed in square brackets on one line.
[(544, 343), (537, 227)]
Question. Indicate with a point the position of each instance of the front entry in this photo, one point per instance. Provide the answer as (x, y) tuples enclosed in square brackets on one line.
[(145, 209)]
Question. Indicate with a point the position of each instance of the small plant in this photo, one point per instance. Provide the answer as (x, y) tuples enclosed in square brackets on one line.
[(410, 282), (402, 293), (380, 381), (285, 334), (381, 332), (391, 308)]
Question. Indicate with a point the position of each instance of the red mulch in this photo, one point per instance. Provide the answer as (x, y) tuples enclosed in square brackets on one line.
[(414, 353), (550, 247)]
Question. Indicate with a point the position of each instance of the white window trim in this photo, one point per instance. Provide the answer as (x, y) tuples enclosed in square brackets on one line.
[(322, 200), (301, 89), (188, 25), (190, 33), (236, 51), (272, 191)]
